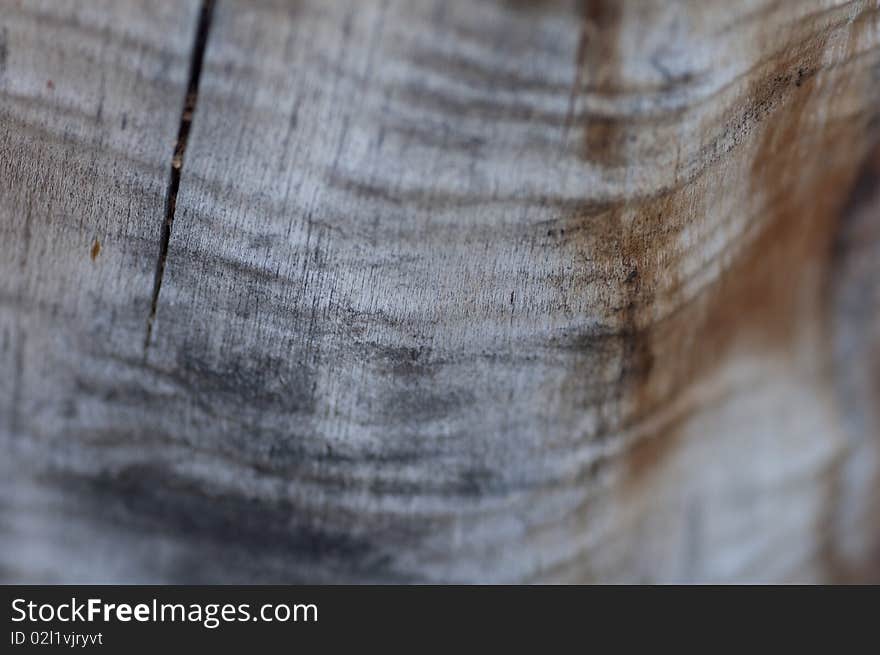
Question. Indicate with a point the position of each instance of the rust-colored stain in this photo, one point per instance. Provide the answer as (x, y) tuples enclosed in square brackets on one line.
[(632, 370), (655, 334), (773, 286), (96, 249)]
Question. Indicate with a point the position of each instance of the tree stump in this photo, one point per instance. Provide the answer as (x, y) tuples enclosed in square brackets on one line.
[(439, 291)]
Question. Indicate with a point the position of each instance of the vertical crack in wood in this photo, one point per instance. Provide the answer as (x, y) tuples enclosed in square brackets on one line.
[(197, 58)]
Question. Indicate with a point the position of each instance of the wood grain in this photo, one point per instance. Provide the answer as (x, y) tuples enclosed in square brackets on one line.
[(91, 94), (455, 291)]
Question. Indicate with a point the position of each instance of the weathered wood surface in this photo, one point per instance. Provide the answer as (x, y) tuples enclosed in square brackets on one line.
[(455, 291)]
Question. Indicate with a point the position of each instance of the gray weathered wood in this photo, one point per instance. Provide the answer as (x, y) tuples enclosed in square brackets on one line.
[(455, 291), (90, 95)]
